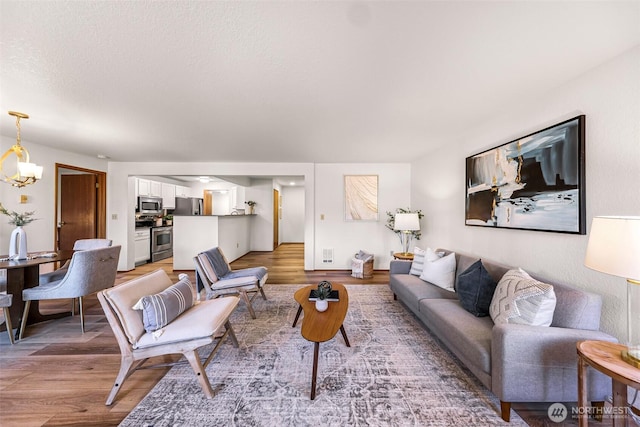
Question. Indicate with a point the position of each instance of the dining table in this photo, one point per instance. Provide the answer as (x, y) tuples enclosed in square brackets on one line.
[(25, 273)]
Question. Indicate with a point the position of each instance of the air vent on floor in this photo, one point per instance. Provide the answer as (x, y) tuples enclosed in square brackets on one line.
[(327, 255)]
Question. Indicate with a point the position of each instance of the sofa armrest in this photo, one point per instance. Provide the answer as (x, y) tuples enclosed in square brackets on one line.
[(399, 267), (537, 363)]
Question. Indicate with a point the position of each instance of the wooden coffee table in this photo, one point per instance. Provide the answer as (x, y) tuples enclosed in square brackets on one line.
[(318, 326)]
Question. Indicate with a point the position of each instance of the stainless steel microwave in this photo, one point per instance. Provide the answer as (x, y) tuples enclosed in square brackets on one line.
[(149, 205)]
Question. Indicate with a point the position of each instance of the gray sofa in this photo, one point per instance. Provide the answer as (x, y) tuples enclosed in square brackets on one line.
[(518, 363)]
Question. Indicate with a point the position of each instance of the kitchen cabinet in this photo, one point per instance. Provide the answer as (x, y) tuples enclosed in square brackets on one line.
[(182, 191), (156, 189), (143, 187), (142, 248), (168, 196)]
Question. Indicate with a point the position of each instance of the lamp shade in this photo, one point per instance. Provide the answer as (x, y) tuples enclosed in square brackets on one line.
[(614, 246), (406, 222)]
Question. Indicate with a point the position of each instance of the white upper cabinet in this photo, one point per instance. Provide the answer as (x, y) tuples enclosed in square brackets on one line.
[(182, 191), (156, 189), (168, 196), (143, 187)]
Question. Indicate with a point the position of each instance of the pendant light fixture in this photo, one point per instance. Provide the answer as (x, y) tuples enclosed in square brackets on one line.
[(25, 173)]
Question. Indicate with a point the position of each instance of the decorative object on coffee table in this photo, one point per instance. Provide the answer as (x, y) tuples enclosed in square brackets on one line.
[(322, 293)]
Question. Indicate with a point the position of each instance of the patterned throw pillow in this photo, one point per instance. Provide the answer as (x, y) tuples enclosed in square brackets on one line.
[(523, 300), (440, 272), (161, 309), (475, 288), (419, 257)]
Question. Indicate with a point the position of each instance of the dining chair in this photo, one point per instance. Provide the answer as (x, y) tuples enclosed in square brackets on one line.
[(5, 303), (89, 271), (189, 328), (79, 245), (218, 279)]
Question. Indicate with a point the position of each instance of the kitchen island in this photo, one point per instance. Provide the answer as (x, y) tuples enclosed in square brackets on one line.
[(194, 234)]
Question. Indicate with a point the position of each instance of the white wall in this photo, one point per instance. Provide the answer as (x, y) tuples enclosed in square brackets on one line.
[(609, 96), (41, 195), (347, 237), (292, 223)]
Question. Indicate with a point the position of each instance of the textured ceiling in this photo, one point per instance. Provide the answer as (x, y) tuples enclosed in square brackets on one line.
[(287, 81)]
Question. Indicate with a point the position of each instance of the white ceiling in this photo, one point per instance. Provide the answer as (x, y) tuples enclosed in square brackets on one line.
[(287, 81)]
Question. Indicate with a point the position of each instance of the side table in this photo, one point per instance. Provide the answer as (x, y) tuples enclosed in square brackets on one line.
[(605, 357), (402, 256)]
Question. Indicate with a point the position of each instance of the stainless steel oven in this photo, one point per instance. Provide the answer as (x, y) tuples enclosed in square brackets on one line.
[(161, 243)]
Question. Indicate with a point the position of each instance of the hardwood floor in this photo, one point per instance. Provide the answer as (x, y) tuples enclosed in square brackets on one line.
[(57, 376)]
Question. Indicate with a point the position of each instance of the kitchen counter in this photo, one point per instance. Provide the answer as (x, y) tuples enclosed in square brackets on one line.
[(194, 234)]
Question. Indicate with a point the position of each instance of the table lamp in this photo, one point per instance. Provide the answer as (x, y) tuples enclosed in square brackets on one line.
[(614, 248), (406, 223)]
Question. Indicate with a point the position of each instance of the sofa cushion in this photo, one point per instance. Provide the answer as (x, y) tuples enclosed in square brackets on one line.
[(441, 271), (523, 300), (160, 309), (467, 336), (475, 289)]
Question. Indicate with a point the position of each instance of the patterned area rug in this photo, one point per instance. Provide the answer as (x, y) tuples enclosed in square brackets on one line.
[(394, 374)]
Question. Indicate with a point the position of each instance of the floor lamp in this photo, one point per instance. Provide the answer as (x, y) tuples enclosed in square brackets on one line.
[(614, 248), (406, 223)]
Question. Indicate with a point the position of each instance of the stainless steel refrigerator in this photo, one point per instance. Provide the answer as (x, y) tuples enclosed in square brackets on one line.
[(188, 206)]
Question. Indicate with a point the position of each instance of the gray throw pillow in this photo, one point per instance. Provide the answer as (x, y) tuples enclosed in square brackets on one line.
[(161, 309), (475, 288)]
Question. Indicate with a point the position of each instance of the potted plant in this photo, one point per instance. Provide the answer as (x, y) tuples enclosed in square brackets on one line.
[(251, 205), (168, 219), (18, 239), (324, 290)]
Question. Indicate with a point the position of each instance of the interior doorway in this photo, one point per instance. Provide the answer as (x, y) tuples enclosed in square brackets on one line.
[(80, 205)]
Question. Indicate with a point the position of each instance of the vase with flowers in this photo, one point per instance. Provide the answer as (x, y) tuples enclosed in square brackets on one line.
[(18, 240), (251, 205)]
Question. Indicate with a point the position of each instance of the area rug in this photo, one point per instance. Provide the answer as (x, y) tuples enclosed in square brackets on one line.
[(394, 374)]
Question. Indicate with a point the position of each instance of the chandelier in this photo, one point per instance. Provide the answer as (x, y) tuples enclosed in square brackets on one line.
[(25, 173)]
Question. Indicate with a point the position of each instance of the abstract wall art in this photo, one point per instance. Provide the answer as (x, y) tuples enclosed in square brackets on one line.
[(533, 183), (361, 197)]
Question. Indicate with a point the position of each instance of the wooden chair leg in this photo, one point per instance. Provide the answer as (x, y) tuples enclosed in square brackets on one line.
[(73, 306), (126, 368), (247, 301), (7, 320), (196, 365), (262, 292), (25, 313), (232, 334), (81, 309), (505, 410)]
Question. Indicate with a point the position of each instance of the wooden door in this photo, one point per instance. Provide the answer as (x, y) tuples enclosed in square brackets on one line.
[(78, 209), (276, 219)]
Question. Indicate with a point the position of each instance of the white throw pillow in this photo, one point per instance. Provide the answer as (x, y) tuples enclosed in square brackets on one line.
[(419, 257), (439, 271), (523, 300)]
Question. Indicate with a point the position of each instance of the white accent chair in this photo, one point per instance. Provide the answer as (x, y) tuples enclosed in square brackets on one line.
[(218, 279), (89, 272), (198, 326), (79, 245)]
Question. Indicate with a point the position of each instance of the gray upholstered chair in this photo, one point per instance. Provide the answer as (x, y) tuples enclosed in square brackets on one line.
[(214, 273), (79, 245), (196, 327), (5, 303), (89, 271)]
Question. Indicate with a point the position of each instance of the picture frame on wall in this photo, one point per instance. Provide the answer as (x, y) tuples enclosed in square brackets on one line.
[(536, 182), (361, 197)]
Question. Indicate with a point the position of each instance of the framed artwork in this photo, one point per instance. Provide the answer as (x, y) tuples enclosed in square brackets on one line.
[(536, 182), (361, 197)]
